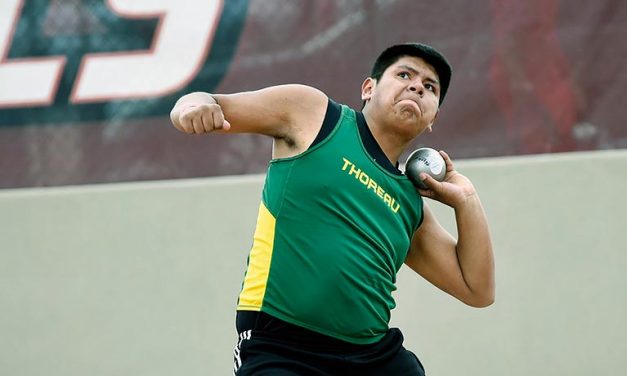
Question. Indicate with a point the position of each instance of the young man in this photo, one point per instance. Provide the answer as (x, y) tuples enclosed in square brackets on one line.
[(338, 219)]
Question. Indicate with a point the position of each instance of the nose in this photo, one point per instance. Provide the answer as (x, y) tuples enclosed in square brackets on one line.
[(417, 88)]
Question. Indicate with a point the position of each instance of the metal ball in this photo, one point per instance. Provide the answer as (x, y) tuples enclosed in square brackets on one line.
[(424, 160)]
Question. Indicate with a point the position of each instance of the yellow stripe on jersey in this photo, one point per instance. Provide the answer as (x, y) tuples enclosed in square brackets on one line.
[(256, 279)]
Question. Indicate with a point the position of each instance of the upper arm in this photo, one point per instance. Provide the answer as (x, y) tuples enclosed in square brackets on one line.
[(433, 255), (290, 112)]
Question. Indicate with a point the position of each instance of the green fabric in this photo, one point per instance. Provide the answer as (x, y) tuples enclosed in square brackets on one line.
[(343, 229)]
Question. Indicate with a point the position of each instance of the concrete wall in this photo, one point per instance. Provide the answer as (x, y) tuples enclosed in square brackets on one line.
[(141, 279)]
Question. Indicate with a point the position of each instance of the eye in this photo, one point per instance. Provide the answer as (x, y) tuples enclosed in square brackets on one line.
[(430, 87), (403, 74)]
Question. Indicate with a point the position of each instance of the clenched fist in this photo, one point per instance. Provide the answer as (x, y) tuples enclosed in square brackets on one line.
[(198, 113)]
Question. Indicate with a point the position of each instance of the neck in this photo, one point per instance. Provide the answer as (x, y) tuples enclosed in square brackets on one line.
[(391, 142)]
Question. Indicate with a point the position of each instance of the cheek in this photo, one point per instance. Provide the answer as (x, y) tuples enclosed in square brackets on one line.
[(433, 107), (385, 93), (380, 98)]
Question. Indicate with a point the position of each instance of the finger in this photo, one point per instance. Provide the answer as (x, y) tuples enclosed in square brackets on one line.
[(215, 119), (220, 122), (429, 181), (207, 122), (447, 161), (186, 122), (175, 118), (426, 192), (178, 126), (197, 124), (190, 113), (434, 189)]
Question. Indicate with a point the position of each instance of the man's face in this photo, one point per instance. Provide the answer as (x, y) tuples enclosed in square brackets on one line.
[(408, 93)]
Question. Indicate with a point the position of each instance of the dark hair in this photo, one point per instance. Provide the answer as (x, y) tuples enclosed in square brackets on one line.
[(432, 56)]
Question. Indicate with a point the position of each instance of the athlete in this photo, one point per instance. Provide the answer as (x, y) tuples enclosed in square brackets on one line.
[(338, 219)]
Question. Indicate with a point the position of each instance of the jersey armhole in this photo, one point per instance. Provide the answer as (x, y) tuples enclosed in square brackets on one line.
[(330, 121), (422, 216)]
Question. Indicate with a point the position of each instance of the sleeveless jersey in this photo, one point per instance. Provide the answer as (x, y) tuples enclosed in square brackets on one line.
[(333, 229)]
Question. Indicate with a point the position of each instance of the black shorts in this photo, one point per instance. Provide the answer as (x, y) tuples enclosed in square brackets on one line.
[(269, 346)]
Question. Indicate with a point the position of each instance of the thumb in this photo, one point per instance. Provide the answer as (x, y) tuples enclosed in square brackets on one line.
[(226, 125), (432, 186), (428, 180)]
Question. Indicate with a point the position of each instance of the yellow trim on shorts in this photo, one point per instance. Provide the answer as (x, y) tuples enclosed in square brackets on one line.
[(256, 279)]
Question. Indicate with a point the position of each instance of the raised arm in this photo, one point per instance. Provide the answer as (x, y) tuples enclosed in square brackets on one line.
[(464, 267), (291, 114)]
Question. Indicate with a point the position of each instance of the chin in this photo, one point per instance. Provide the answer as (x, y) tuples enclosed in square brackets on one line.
[(409, 116)]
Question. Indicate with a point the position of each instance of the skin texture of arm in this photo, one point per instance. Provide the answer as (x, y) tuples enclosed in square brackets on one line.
[(464, 267), (291, 114)]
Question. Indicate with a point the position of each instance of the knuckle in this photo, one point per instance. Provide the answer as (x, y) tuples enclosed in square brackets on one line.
[(187, 116), (207, 108)]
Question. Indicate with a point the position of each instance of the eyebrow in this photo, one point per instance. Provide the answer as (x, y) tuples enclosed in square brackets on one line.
[(415, 71)]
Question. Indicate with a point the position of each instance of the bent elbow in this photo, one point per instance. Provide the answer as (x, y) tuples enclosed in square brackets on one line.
[(481, 301)]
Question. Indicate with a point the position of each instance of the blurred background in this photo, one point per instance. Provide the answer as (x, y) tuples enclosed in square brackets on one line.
[(123, 242), (86, 86)]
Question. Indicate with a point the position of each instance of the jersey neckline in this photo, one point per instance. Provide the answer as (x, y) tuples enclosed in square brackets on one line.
[(372, 146)]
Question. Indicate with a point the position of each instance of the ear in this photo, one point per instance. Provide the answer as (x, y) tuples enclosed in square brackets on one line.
[(366, 88), (433, 121)]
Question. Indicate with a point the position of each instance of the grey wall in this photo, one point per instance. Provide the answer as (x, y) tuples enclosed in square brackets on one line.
[(141, 279)]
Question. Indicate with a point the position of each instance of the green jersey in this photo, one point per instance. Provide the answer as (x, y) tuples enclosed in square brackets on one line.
[(334, 228)]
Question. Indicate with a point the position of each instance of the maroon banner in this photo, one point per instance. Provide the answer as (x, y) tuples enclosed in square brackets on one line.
[(529, 77)]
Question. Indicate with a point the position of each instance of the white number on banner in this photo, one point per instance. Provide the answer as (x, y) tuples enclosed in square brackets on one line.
[(25, 81), (181, 43)]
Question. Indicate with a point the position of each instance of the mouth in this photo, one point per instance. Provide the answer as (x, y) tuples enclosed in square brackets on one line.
[(412, 103)]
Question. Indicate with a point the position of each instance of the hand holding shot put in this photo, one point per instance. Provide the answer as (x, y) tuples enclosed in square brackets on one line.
[(435, 177)]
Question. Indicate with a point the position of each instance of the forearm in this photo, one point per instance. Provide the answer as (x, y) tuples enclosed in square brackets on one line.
[(474, 250)]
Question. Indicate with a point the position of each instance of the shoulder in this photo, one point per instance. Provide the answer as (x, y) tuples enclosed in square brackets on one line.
[(301, 90), (305, 101), (300, 111), (281, 111), (294, 96)]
